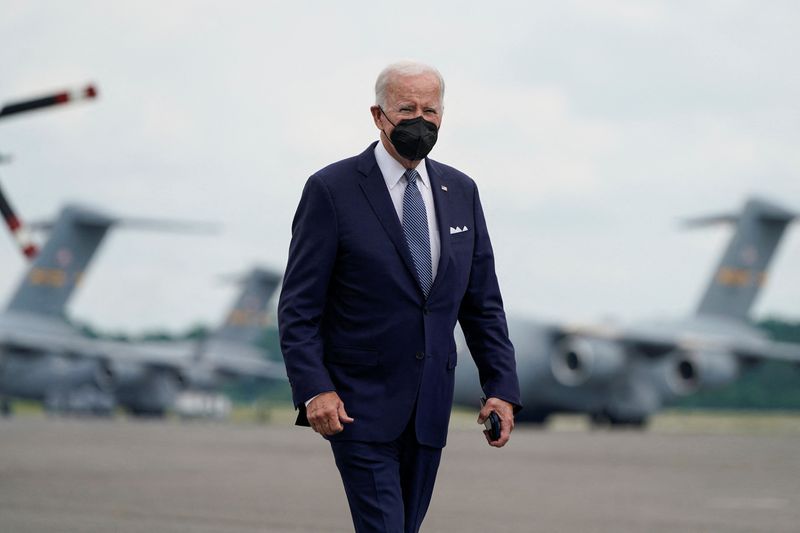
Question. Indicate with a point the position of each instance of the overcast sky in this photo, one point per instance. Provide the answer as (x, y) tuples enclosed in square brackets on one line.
[(591, 128)]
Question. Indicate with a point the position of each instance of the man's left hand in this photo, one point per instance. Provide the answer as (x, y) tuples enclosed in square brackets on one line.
[(505, 411)]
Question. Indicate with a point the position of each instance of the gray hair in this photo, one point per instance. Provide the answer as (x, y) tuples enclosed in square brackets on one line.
[(404, 68)]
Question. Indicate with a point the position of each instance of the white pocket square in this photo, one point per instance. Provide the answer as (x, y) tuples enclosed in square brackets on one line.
[(458, 229)]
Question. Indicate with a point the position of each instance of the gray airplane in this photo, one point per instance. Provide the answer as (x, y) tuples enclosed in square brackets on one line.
[(42, 357), (620, 376), (231, 352)]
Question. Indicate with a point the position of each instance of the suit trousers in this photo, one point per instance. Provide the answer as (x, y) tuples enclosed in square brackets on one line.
[(388, 484)]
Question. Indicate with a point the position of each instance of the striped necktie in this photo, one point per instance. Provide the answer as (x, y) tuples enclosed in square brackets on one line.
[(415, 228)]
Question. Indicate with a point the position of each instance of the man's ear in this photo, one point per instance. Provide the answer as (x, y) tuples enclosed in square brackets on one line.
[(376, 116)]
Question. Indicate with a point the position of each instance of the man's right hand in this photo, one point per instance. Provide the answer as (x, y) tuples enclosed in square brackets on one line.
[(326, 414)]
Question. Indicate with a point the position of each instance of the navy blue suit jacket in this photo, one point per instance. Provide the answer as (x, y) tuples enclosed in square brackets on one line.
[(354, 319)]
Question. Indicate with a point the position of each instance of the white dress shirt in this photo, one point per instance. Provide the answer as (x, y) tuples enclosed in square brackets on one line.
[(394, 175)]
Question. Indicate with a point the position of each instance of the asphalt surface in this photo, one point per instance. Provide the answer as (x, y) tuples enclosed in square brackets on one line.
[(126, 476)]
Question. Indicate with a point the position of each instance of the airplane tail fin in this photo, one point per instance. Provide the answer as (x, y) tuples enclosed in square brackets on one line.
[(247, 319), (58, 268), (743, 269)]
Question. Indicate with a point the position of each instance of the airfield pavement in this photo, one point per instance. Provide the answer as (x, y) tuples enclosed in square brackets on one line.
[(71, 475)]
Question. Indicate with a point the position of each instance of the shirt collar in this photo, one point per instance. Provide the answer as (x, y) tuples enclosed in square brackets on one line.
[(393, 171)]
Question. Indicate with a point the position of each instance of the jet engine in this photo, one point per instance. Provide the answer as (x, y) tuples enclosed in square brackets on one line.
[(201, 377), (675, 375), (686, 371), (577, 361), (127, 374), (152, 396), (146, 390), (70, 385), (27, 377), (716, 368), (83, 372)]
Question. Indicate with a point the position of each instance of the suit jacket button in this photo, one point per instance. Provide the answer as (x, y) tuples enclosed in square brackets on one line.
[(425, 310), (420, 355)]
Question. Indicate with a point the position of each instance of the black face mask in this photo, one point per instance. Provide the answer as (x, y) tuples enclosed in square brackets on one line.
[(413, 138)]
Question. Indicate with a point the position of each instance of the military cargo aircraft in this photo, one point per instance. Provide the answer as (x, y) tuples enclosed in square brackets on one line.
[(44, 358), (621, 376)]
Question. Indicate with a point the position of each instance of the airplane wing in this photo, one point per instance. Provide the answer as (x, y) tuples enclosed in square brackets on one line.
[(778, 351), (48, 344), (260, 369), (243, 365), (656, 344), (238, 360), (78, 347), (162, 357), (753, 350), (652, 344)]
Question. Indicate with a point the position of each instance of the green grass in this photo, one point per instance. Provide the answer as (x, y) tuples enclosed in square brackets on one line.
[(672, 421), (727, 422), (669, 421), (26, 408)]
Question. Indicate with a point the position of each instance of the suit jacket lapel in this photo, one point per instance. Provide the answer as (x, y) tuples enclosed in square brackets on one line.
[(374, 187), (440, 201)]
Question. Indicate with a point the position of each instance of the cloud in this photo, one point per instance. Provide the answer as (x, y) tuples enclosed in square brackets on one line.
[(589, 126)]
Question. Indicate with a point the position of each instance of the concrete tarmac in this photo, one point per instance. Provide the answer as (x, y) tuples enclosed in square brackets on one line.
[(125, 476)]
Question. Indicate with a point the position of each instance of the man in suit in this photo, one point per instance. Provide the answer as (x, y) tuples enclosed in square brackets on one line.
[(389, 249)]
